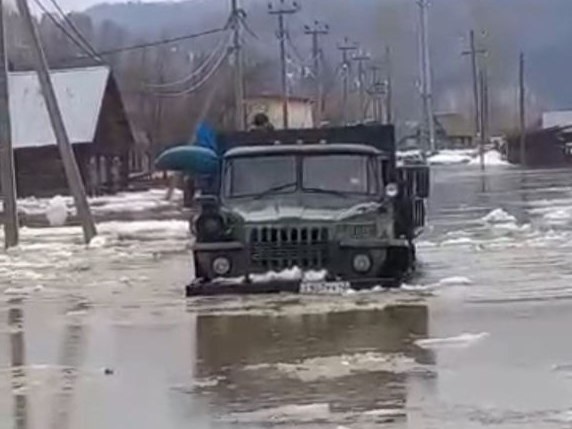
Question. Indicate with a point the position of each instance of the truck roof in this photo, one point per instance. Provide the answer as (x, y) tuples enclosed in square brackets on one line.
[(307, 149)]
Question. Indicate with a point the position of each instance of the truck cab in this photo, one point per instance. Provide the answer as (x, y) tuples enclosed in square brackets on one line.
[(301, 209)]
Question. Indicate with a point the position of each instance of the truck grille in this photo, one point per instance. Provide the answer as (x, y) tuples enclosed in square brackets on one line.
[(276, 248)]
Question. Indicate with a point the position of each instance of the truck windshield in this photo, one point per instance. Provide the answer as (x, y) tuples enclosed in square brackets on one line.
[(259, 175), (351, 174)]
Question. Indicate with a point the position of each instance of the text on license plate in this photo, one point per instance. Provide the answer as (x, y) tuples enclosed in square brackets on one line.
[(325, 288)]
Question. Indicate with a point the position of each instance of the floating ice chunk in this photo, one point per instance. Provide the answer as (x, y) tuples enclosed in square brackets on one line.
[(455, 281), (558, 216), (416, 288), (562, 417), (289, 413), (461, 341), (97, 242), (499, 216), (462, 241), (57, 211)]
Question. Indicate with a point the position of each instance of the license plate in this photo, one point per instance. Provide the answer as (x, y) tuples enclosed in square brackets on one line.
[(324, 288)]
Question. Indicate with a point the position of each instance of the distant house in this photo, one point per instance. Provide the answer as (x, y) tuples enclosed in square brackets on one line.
[(96, 122), (299, 110), (454, 130)]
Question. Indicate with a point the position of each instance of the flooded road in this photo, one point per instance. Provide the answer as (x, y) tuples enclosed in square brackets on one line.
[(100, 337)]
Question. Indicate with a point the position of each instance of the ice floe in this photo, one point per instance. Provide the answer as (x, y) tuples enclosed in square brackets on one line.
[(460, 341), (499, 216)]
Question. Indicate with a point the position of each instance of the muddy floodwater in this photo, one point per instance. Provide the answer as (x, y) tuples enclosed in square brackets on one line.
[(100, 337)]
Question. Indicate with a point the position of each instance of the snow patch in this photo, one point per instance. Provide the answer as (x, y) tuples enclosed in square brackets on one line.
[(57, 211), (451, 157), (290, 274), (461, 341), (492, 158)]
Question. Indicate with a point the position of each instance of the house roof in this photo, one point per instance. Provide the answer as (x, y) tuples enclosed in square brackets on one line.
[(558, 118), (80, 94)]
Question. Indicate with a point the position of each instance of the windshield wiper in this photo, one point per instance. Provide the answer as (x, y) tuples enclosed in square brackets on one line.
[(277, 188), (326, 191)]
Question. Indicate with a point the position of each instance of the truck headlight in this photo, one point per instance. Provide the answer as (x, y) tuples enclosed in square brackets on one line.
[(221, 266), (392, 190), (362, 263)]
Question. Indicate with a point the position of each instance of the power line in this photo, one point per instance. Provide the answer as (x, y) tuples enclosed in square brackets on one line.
[(281, 10), (76, 30), (199, 84), (221, 47), (156, 43)]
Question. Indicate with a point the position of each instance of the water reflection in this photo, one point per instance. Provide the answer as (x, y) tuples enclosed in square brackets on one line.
[(71, 357), (17, 362), (353, 361)]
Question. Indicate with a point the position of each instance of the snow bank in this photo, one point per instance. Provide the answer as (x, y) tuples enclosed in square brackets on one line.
[(466, 156), (492, 158), (451, 157)]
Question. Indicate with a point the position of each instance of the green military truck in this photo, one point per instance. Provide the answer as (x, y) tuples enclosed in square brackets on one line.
[(318, 210)]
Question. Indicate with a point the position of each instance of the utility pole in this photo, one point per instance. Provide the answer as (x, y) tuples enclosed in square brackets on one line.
[(474, 52), (482, 119), (522, 110), (7, 171), (237, 15), (378, 91), (345, 49), (426, 80), (70, 166), (361, 58), (315, 32), (281, 10), (389, 95)]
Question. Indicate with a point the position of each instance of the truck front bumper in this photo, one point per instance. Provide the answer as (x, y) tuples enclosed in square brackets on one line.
[(202, 288)]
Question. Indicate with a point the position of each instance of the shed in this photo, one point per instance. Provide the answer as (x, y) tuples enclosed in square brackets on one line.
[(454, 129), (96, 122)]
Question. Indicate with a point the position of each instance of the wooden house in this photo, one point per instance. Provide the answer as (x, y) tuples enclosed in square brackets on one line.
[(96, 123)]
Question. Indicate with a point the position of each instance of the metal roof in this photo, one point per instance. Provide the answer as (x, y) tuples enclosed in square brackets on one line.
[(559, 118), (312, 149), (80, 95)]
